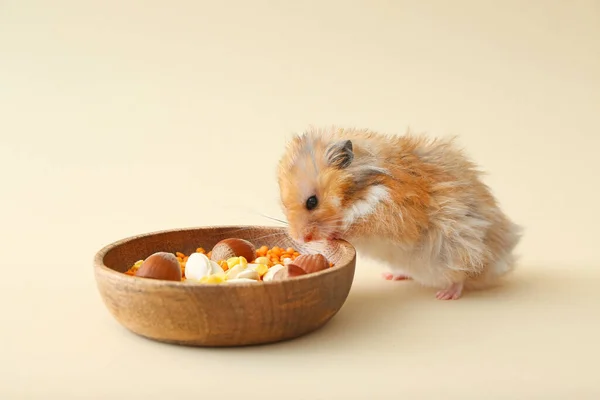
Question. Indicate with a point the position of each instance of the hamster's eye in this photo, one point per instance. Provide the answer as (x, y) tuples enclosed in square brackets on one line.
[(311, 203)]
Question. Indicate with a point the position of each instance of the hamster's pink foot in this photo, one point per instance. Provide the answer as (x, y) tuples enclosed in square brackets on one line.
[(391, 277), (452, 292)]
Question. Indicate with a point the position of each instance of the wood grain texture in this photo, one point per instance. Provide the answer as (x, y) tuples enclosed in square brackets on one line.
[(220, 315)]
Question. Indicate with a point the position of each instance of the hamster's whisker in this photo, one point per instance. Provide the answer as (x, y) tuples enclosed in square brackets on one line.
[(271, 218), (256, 212), (241, 229), (275, 219), (270, 235)]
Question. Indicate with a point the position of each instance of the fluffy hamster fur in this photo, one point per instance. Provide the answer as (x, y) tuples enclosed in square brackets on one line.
[(414, 203)]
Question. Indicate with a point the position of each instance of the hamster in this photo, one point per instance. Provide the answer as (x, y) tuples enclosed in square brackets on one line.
[(416, 204)]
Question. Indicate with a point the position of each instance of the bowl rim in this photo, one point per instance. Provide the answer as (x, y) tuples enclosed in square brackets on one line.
[(100, 267)]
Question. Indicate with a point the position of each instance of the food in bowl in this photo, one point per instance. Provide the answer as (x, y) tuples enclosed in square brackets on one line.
[(231, 260)]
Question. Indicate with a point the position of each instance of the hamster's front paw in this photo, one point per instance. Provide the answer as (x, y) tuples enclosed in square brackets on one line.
[(388, 276)]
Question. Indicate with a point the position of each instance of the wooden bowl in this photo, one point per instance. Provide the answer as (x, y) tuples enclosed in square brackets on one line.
[(198, 314)]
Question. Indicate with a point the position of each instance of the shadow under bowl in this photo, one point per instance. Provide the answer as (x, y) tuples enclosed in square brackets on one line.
[(240, 314)]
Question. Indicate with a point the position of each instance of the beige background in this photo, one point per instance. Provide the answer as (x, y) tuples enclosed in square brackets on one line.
[(122, 117)]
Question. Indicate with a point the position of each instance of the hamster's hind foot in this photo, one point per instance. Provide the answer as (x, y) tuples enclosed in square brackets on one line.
[(388, 276), (452, 292)]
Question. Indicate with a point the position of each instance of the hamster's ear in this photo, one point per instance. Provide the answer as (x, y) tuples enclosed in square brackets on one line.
[(340, 154)]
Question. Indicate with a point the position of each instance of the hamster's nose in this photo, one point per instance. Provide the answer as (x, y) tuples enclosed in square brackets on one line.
[(308, 237)]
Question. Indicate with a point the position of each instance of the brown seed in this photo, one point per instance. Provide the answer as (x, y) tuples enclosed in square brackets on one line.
[(233, 247), (311, 262), (294, 270), (161, 265)]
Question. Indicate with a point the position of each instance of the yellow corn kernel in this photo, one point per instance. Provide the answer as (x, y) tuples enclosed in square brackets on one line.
[(243, 262), (262, 260), (233, 261), (213, 279), (261, 269)]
